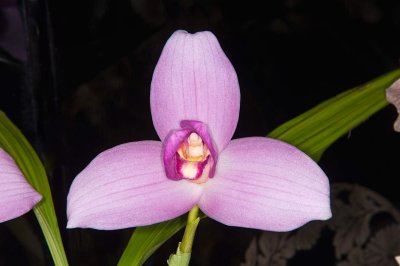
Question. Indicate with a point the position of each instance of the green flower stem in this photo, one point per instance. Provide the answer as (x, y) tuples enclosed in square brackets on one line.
[(190, 230), (183, 253)]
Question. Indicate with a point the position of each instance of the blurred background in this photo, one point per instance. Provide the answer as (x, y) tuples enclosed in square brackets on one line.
[(75, 78)]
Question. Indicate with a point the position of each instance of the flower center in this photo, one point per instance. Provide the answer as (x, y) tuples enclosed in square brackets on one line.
[(189, 153), (193, 160)]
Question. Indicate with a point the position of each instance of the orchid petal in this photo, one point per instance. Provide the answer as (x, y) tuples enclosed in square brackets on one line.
[(125, 187), (17, 196), (266, 184), (194, 80)]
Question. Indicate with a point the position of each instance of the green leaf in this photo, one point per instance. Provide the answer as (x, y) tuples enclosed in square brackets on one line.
[(315, 130), (13, 142), (312, 132), (146, 240)]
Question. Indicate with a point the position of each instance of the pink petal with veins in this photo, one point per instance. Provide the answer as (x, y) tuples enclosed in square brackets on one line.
[(266, 184), (194, 80), (17, 197), (125, 187)]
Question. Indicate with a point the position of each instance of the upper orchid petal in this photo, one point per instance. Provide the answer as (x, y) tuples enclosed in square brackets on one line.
[(17, 196), (125, 187), (194, 80), (266, 184)]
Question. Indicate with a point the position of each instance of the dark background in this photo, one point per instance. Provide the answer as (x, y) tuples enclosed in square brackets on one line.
[(83, 86)]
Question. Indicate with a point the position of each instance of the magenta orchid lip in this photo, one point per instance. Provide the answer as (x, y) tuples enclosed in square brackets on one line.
[(174, 162), (251, 182)]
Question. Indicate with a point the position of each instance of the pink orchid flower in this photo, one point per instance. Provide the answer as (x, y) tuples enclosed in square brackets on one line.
[(252, 182), (17, 197)]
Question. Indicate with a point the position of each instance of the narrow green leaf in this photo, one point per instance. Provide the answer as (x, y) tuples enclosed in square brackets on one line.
[(146, 240), (313, 132), (12, 141)]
